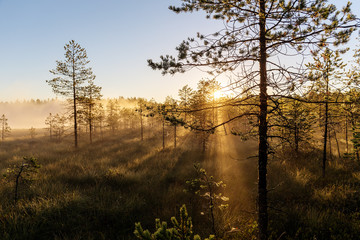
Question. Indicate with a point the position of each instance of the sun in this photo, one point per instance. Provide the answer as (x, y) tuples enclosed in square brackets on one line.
[(218, 94)]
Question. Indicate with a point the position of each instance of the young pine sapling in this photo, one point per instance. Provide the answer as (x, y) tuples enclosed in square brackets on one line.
[(22, 173)]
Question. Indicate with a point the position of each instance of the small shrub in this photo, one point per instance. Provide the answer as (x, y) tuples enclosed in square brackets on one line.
[(22, 173), (181, 230), (206, 187)]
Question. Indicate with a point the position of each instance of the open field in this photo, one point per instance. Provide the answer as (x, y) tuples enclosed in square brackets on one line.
[(99, 191)]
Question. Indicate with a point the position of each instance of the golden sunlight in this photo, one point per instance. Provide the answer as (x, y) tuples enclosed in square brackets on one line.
[(218, 94)]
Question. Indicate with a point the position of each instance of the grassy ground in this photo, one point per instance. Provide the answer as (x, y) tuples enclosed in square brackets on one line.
[(94, 192), (99, 191), (304, 205)]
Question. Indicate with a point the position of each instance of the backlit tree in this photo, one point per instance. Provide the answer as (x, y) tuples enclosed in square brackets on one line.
[(256, 34), (71, 74)]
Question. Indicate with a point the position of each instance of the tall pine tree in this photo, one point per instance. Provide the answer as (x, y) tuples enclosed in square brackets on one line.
[(256, 34), (71, 74)]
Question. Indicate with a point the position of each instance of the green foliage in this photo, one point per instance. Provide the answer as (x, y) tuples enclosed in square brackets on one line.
[(181, 230), (208, 188), (71, 74), (294, 121), (22, 174)]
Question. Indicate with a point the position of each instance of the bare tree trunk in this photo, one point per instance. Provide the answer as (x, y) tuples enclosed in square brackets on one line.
[(296, 140), (141, 127), (330, 147), (346, 134), (325, 134), (263, 144), (90, 122)]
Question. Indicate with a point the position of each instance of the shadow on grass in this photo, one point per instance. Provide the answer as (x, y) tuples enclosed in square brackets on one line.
[(304, 205)]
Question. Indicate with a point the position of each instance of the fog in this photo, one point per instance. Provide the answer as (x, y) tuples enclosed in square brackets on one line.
[(32, 113), (27, 114)]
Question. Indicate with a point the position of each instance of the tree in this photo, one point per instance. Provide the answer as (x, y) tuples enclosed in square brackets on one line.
[(99, 117), (5, 129), (185, 94), (141, 109), (32, 132), (294, 121), (202, 110), (172, 115), (112, 115), (322, 71), (22, 173), (50, 121), (90, 95), (71, 75), (59, 126), (352, 106), (256, 33)]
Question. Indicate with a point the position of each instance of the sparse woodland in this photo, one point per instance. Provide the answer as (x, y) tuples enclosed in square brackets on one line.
[(272, 154)]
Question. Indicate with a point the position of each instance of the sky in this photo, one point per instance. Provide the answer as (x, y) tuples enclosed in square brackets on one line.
[(119, 37)]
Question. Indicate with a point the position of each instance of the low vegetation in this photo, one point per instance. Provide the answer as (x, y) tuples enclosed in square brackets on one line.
[(100, 191)]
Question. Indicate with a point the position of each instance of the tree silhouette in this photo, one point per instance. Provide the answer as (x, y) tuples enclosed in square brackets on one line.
[(5, 129), (71, 75), (90, 95), (256, 34), (322, 71)]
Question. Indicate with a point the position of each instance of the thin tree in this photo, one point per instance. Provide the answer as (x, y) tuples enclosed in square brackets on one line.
[(50, 121), (325, 68), (256, 34), (71, 75), (185, 94), (5, 129), (90, 96)]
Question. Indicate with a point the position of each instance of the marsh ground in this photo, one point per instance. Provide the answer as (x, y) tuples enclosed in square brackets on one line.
[(100, 190)]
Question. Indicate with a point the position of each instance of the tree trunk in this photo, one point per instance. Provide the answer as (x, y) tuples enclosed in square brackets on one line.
[(163, 131), (296, 140), (75, 112), (175, 136), (330, 147), (325, 138), (337, 144), (263, 144), (346, 134), (141, 127), (90, 122)]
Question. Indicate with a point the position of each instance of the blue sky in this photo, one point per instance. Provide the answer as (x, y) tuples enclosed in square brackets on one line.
[(118, 35)]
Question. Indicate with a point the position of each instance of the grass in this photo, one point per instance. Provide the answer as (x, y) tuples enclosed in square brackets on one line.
[(304, 205), (99, 191)]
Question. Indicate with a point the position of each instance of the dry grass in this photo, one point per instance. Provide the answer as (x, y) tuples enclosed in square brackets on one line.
[(97, 191)]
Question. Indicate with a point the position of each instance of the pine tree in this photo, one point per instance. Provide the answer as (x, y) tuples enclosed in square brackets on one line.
[(50, 121), (5, 129), (256, 34), (323, 72), (112, 118), (185, 94), (71, 75), (90, 95)]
